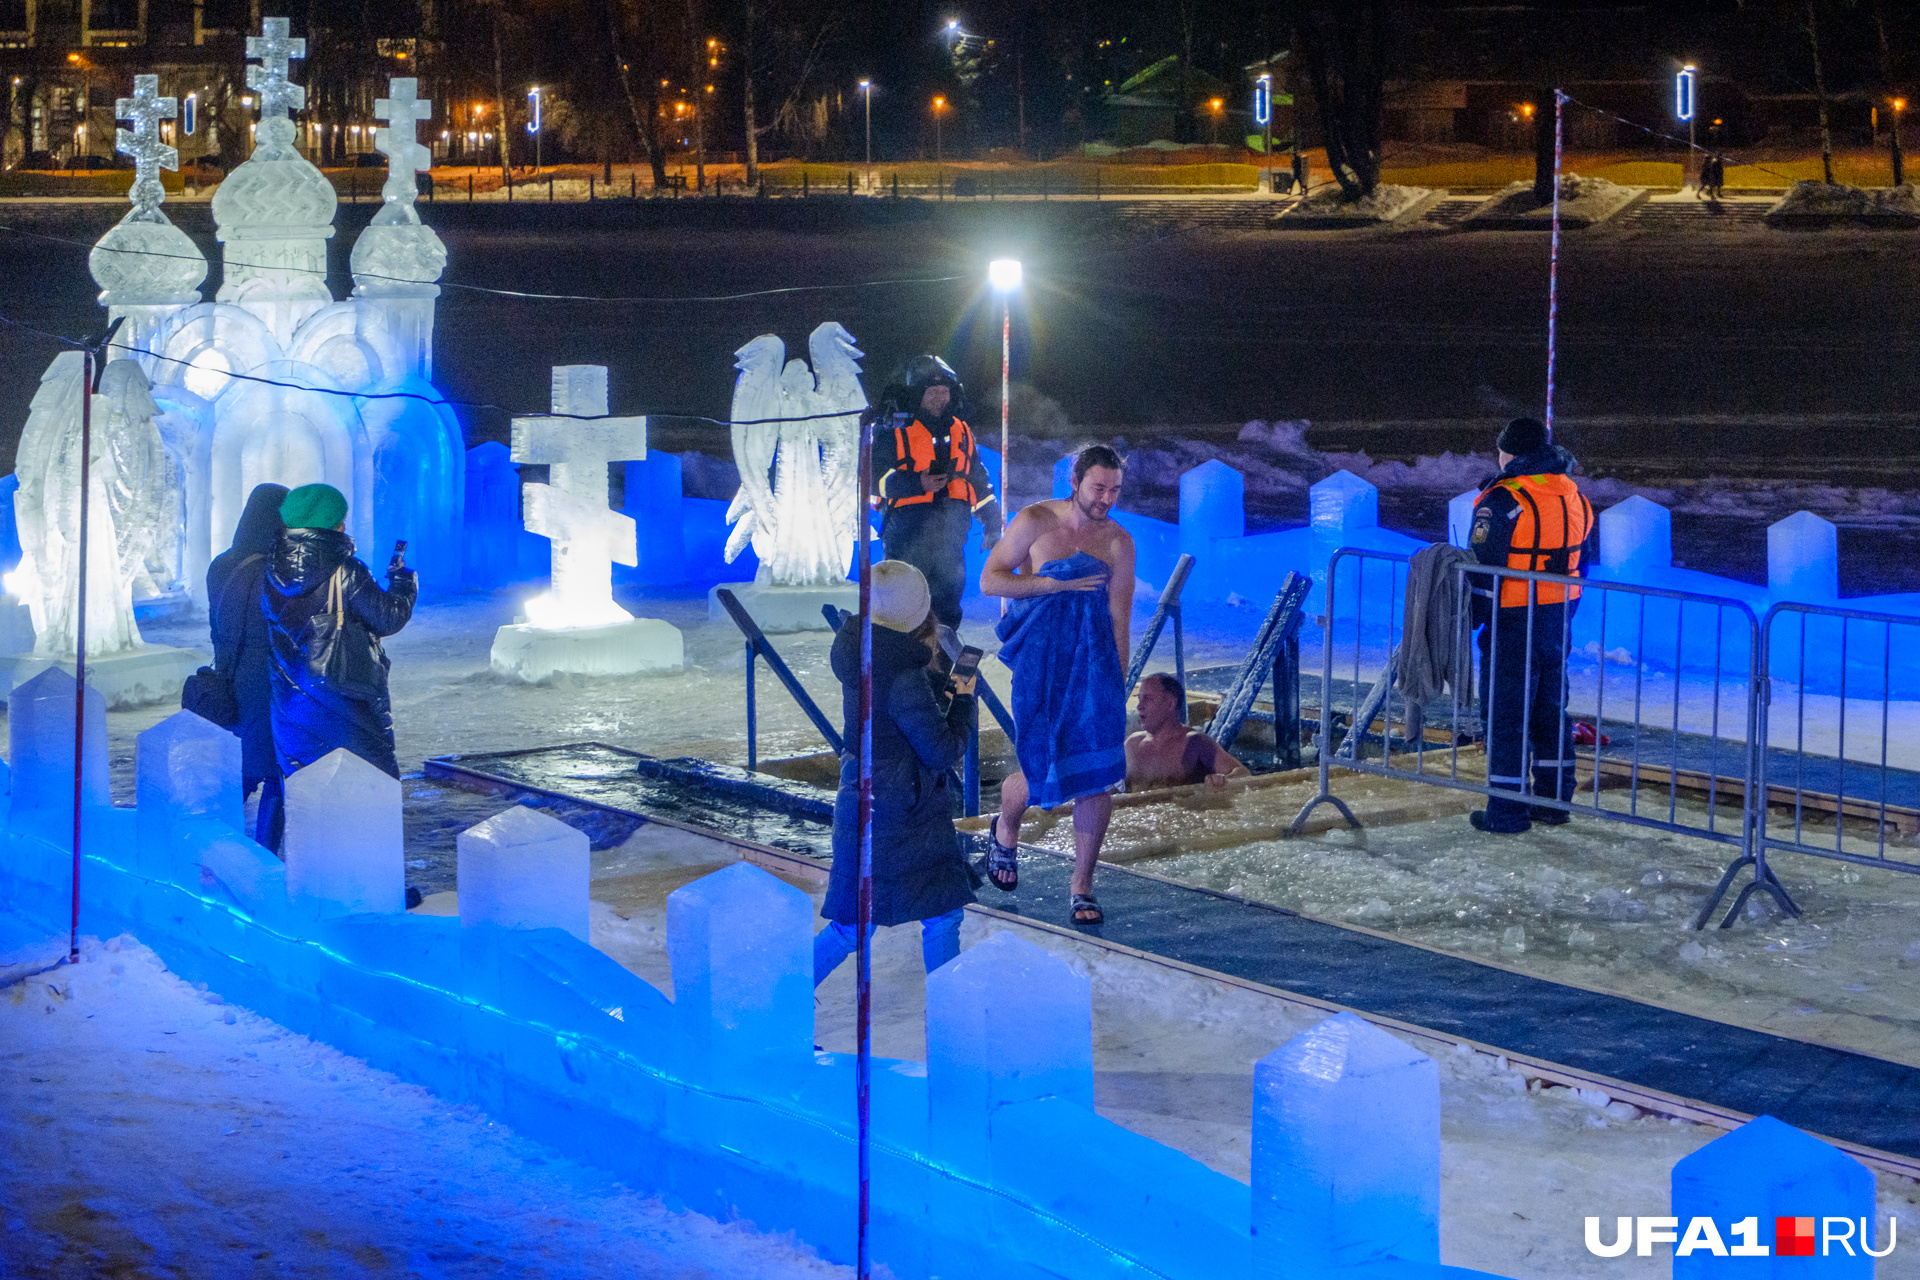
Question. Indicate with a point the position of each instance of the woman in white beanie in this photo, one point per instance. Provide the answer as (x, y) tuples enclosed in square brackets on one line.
[(919, 872)]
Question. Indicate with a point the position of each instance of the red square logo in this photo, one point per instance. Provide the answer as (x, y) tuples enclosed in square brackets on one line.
[(1793, 1237)]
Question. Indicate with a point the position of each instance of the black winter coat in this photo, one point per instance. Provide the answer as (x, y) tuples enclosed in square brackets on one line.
[(241, 645), (329, 672), (918, 869)]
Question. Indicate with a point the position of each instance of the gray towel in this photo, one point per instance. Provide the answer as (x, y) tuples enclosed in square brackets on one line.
[(1433, 639)]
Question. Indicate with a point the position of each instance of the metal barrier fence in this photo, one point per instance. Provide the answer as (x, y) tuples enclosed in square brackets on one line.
[(1871, 658), (1669, 738)]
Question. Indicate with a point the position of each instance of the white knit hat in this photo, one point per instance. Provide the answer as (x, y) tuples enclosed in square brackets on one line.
[(900, 596)]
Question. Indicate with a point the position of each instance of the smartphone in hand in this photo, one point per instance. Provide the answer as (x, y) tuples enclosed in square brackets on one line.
[(399, 562), (966, 669)]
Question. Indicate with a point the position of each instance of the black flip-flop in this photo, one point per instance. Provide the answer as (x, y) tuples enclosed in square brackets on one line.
[(1084, 902)]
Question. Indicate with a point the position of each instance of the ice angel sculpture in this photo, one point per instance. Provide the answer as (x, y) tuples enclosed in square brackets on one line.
[(133, 500), (796, 440)]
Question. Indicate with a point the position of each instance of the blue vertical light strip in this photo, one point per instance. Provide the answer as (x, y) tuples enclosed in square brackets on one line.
[(1262, 101), (1683, 94)]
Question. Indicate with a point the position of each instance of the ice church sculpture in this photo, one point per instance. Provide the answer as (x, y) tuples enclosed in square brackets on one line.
[(275, 379), (796, 440), (575, 627)]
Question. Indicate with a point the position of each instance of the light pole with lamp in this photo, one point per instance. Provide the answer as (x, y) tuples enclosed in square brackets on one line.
[(533, 123), (866, 88), (1683, 109), (1899, 161), (1263, 116), (1004, 275), (939, 174)]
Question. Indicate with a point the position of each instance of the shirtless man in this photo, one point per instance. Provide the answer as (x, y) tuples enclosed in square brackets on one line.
[(1166, 753), (1044, 532)]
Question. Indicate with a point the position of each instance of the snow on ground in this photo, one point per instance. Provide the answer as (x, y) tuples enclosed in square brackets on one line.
[(152, 1129)]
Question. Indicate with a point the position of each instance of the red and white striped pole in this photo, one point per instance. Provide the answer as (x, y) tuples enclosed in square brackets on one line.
[(80, 641), (863, 911), (1553, 258)]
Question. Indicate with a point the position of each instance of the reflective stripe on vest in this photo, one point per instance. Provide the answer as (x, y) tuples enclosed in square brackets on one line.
[(1548, 533), (914, 445)]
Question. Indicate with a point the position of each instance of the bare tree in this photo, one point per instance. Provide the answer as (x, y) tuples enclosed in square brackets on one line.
[(1820, 91), (1344, 49), (643, 107), (782, 48), (500, 100)]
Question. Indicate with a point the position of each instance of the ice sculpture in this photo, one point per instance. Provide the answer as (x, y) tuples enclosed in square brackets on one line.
[(276, 380), (146, 267), (796, 440), (1212, 505), (132, 530), (1770, 1170), (575, 626), (523, 869), (40, 745), (345, 847), (1803, 559), (1346, 1151), (185, 767)]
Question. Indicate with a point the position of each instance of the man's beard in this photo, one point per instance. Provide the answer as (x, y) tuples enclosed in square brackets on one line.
[(1092, 510)]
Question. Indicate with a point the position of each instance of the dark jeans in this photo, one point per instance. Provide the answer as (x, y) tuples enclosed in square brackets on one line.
[(270, 825), (1523, 702), (932, 537)]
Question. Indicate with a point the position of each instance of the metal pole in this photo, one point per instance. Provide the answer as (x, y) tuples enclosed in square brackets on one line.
[(1553, 259), (1006, 346), (80, 643), (869, 174), (863, 918)]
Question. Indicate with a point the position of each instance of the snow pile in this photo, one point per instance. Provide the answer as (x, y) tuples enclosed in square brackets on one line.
[(1387, 202), (1583, 202), (1813, 199), (156, 1128)]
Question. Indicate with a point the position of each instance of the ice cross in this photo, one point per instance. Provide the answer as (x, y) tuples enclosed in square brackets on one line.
[(406, 157), (576, 444), (275, 50), (145, 110)]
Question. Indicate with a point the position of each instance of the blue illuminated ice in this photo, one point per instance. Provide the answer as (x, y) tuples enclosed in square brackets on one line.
[(523, 869), (1346, 1151), (185, 767), (40, 746), (344, 844), (1803, 559), (1768, 1169), (741, 943)]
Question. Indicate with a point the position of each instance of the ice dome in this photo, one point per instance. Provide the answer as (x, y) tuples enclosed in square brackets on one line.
[(146, 260), (398, 258), (277, 194)]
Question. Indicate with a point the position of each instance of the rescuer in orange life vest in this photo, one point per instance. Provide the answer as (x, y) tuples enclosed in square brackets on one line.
[(927, 466), (1531, 517)]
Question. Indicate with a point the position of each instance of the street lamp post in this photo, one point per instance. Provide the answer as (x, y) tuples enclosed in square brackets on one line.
[(866, 87), (1263, 116), (939, 107), (1004, 275), (1683, 108), (1899, 161), (533, 123)]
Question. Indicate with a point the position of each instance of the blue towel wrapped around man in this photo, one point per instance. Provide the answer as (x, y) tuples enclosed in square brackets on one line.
[(1069, 694)]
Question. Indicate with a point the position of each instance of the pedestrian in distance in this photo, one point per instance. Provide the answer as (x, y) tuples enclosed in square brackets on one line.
[(919, 872), (1532, 518), (1067, 566), (243, 650), (933, 483), (326, 617)]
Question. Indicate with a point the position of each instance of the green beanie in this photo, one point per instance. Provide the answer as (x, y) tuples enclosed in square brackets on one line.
[(313, 506)]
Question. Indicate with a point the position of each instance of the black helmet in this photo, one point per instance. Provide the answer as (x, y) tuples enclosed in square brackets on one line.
[(928, 371)]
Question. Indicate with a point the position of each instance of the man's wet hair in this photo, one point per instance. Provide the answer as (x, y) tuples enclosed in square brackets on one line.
[(1168, 685), (1095, 455)]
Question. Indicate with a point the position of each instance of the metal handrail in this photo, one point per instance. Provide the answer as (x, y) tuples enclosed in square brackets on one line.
[(1169, 607), (759, 647)]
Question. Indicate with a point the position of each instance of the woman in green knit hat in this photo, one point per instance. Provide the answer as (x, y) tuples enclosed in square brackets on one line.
[(327, 615)]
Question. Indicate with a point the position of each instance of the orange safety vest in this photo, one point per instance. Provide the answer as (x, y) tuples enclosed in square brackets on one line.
[(913, 444), (1548, 535)]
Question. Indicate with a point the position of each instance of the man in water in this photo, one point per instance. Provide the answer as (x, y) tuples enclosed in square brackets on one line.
[(1075, 675), (1166, 753)]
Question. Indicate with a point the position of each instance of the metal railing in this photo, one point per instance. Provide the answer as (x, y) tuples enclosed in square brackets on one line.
[(1860, 657), (1167, 610), (1685, 744), (1276, 654)]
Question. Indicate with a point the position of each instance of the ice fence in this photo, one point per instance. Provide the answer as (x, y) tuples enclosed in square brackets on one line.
[(989, 1159)]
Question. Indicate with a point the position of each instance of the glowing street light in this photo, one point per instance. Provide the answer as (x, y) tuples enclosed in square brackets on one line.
[(533, 123), (939, 110), (1003, 275), (1683, 105), (866, 88), (1899, 105)]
